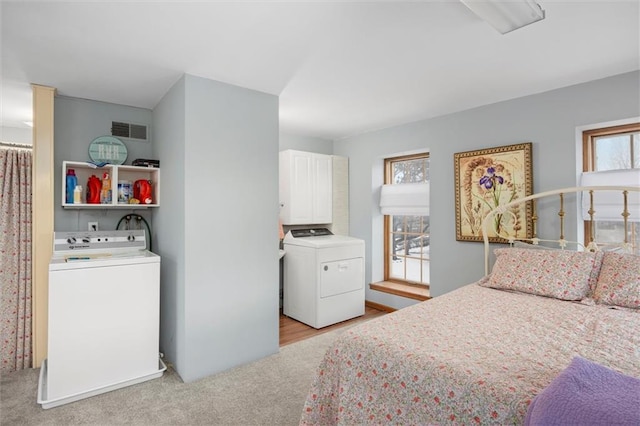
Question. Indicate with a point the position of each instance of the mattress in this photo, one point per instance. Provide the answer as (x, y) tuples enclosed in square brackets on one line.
[(474, 355)]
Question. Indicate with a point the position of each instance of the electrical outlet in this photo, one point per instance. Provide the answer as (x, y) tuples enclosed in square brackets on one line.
[(92, 226)]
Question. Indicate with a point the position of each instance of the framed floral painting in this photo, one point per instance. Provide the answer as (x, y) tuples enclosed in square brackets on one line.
[(486, 179)]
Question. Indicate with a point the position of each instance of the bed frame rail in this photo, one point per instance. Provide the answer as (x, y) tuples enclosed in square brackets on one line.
[(488, 223)]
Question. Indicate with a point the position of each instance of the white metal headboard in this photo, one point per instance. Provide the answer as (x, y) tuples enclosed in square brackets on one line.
[(561, 241)]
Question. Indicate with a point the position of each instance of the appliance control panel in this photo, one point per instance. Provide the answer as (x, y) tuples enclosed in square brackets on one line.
[(311, 232), (66, 242)]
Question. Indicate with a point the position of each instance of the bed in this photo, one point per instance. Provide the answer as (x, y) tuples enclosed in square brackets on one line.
[(482, 353)]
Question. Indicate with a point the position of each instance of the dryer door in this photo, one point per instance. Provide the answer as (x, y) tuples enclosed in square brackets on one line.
[(341, 276)]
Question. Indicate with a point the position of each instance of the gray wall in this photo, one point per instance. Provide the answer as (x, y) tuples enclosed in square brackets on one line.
[(549, 120), (227, 273), (218, 146), (305, 143), (16, 135), (77, 122), (169, 126)]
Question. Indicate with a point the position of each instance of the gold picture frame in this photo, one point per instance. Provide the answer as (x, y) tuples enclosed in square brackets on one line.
[(487, 178)]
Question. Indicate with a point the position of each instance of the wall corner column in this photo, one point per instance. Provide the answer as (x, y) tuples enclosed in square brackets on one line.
[(42, 215)]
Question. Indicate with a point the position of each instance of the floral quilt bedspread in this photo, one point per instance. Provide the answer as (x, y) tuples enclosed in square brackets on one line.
[(473, 356)]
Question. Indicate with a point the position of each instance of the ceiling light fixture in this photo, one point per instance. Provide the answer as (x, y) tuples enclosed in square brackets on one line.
[(506, 15)]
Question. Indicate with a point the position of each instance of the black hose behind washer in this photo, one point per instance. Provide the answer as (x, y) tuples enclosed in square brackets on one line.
[(129, 217)]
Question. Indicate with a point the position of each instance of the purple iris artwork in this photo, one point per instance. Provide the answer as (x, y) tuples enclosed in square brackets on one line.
[(492, 184), (491, 178)]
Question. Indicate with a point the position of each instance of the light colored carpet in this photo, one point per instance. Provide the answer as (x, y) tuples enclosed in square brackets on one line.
[(270, 391)]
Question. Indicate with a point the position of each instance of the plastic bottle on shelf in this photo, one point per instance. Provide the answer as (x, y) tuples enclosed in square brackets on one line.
[(94, 189), (105, 197), (77, 195), (71, 183)]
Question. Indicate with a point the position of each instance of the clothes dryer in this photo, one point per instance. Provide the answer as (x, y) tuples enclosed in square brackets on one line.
[(323, 277)]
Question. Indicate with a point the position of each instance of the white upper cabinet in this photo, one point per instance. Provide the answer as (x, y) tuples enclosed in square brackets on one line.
[(305, 188)]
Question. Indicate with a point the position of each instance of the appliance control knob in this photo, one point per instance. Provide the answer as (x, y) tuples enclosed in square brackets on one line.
[(86, 240), (71, 240), (131, 238)]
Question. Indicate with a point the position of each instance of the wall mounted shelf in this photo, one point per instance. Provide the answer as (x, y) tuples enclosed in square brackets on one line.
[(131, 174)]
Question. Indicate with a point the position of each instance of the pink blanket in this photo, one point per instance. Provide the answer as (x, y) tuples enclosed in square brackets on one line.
[(474, 355)]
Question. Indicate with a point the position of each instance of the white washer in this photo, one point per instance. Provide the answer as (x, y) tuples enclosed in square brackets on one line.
[(104, 315), (323, 277)]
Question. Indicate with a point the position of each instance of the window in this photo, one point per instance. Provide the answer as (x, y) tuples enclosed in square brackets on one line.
[(612, 148), (406, 239)]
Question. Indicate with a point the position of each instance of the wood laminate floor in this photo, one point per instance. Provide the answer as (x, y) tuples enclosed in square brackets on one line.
[(294, 331)]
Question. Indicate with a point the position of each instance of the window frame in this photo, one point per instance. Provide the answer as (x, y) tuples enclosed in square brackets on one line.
[(589, 158), (388, 221)]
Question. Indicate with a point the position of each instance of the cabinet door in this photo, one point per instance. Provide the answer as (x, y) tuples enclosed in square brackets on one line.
[(323, 189), (305, 188), (301, 188)]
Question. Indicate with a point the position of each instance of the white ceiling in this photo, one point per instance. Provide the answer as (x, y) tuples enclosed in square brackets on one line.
[(339, 68)]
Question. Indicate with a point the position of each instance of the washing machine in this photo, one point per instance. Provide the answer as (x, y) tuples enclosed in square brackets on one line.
[(104, 315), (323, 277)]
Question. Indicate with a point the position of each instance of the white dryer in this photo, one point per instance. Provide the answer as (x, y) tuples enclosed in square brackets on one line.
[(323, 277)]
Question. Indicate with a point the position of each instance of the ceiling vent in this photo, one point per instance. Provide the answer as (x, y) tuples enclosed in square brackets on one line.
[(128, 130)]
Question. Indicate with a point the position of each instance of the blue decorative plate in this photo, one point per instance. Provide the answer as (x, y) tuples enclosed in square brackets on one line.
[(107, 149)]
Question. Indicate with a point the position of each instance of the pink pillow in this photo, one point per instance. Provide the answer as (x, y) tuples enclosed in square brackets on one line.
[(619, 280), (593, 279), (562, 274)]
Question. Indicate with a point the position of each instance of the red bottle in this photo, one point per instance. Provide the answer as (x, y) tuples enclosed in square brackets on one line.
[(142, 191), (94, 185)]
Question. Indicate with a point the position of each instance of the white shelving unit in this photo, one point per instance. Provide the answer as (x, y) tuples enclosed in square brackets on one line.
[(127, 173)]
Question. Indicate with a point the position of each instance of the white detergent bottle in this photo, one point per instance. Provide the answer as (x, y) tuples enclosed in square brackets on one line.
[(77, 195)]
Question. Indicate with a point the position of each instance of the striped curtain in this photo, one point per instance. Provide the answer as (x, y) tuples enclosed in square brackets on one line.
[(15, 258)]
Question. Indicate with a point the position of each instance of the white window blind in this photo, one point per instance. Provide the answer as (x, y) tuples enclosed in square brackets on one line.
[(406, 199), (609, 205)]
